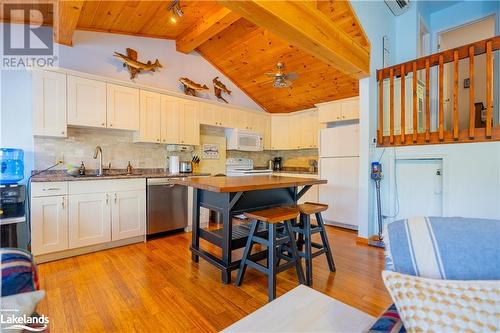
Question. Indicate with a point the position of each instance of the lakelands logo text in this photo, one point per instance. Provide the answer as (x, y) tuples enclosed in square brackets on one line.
[(24, 322), (30, 44)]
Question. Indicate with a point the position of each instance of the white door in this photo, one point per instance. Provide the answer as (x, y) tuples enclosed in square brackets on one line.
[(341, 191), (189, 123), (86, 102), (49, 104), (89, 219), (150, 123), (122, 107), (169, 120), (128, 214), (420, 187), (49, 224)]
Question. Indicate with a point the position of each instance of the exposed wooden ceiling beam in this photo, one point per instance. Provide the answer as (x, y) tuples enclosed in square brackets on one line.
[(304, 26), (66, 18), (209, 25)]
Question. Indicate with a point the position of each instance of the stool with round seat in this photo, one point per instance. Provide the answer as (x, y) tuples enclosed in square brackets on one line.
[(279, 233), (305, 230)]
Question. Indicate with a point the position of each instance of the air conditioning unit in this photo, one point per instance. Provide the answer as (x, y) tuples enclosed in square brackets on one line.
[(398, 7)]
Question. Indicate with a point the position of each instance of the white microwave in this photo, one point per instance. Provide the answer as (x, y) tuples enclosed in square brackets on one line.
[(237, 139)]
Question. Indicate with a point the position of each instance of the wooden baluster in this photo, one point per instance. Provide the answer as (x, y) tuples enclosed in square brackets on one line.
[(403, 93), (391, 106), (380, 108), (441, 101), (455, 95), (489, 87), (415, 131), (427, 101), (472, 109)]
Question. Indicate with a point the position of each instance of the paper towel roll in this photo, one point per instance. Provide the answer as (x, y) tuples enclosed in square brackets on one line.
[(173, 166)]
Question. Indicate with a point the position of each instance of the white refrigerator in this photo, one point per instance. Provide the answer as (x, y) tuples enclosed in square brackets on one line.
[(339, 164)]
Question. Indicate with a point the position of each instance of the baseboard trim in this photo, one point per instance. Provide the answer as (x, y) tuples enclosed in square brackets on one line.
[(87, 249), (361, 241)]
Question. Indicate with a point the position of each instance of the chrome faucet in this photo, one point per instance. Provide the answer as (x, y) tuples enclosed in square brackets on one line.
[(98, 151)]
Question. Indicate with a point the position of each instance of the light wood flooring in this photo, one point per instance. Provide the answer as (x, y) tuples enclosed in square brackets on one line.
[(154, 287)]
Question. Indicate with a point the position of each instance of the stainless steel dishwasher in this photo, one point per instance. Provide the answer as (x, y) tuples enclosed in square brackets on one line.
[(167, 206)]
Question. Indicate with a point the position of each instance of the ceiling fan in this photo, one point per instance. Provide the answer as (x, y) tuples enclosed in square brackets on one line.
[(282, 79)]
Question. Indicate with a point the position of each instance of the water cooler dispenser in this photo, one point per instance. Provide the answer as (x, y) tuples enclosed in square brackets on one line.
[(12, 195)]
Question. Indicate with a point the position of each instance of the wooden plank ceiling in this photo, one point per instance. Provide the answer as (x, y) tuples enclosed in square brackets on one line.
[(240, 49)]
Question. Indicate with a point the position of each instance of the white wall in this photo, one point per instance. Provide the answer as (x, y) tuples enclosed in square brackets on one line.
[(93, 53), (471, 170), (471, 177)]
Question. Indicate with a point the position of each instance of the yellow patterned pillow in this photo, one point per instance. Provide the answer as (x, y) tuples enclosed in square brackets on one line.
[(429, 305)]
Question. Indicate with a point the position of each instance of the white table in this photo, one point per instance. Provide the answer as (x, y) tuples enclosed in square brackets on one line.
[(303, 309)]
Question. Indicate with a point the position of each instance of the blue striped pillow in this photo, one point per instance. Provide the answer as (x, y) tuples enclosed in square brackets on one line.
[(453, 248), (19, 273)]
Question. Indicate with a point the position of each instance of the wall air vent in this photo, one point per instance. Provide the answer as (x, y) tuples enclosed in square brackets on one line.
[(398, 7)]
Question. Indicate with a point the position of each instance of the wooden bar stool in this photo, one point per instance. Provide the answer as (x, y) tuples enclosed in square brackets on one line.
[(306, 230), (273, 217)]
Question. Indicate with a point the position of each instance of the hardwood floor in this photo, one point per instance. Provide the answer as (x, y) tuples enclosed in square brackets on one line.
[(154, 287)]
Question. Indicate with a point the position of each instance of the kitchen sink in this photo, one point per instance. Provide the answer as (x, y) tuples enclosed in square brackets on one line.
[(108, 174)]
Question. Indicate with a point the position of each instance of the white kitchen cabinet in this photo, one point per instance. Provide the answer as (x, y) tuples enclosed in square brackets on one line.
[(89, 219), (295, 126), (341, 110), (150, 118), (128, 214), (267, 132), (214, 115), (189, 123), (280, 132), (49, 224), (309, 130), (49, 104), (169, 120), (86, 102), (122, 110)]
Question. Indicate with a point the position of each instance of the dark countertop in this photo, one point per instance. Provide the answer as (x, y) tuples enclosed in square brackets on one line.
[(62, 176), (247, 183), (297, 170)]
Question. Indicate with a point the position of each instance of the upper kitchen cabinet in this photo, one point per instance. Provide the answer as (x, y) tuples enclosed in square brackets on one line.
[(215, 115), (189, 122), (280, 132), (86, 102), (342, 110), (49, 104), (169, 120), (122, 110), (150, 118), (309, 129)]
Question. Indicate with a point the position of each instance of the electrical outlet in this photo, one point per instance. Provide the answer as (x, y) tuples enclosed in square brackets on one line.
[(374, 142)]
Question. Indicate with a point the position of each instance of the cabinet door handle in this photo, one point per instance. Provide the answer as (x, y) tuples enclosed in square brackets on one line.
[(63, 202), (107, 199), (51, 189), (115, 198)]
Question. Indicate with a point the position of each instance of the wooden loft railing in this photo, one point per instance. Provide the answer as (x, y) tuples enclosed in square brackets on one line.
[(389, 136)]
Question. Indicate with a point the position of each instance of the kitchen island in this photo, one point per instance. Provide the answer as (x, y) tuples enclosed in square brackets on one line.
[(232, 196)]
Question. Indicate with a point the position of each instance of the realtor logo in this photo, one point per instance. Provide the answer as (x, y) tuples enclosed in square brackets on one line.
[(29, 44)]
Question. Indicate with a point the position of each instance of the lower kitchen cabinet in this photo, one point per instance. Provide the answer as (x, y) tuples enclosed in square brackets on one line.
[(49, 227), (128, 214), (67, 217), (89, 219)]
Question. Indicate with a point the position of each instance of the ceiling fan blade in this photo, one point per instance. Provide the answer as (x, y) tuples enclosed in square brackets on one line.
[(291, 76), (270, 74)]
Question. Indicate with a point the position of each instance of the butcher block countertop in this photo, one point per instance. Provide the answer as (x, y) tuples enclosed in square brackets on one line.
[(246, 183)]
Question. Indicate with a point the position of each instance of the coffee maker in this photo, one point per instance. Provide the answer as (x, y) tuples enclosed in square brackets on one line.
[(277, 164)]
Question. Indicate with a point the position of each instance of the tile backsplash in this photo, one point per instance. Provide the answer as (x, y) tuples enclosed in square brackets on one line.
[(118, 148)]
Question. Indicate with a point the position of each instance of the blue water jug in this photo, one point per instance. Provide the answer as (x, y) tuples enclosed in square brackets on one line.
[(11, 165)]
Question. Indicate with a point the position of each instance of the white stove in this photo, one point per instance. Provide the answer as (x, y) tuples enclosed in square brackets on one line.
[(237, 167)]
